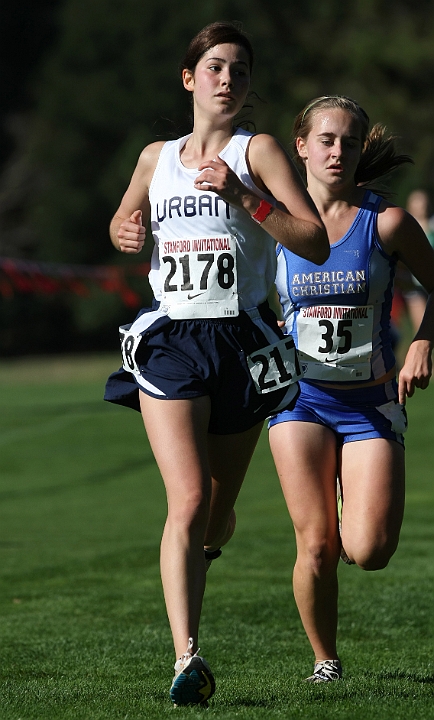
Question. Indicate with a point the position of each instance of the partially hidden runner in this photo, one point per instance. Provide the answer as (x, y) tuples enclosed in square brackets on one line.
[(350, 417)]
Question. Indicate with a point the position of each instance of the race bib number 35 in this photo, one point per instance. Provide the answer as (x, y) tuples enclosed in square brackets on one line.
[(199, 277), (335, 342), (275, 366)]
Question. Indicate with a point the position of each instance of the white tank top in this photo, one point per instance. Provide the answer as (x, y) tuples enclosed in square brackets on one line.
[(188, 224)]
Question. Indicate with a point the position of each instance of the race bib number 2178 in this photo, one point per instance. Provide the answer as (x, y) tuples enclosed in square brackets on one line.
[(199, 277)]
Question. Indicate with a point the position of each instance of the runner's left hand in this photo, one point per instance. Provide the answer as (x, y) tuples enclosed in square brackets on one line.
[(218, 177), (416, 371)]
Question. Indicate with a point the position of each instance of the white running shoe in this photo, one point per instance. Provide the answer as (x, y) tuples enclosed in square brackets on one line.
[(326, 671), (194, 682)]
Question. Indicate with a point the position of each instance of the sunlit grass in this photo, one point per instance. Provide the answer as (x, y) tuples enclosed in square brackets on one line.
[(83, 632)]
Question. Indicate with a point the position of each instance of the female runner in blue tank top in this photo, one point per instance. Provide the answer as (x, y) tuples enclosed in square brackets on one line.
[(190, 362), (349, 418)]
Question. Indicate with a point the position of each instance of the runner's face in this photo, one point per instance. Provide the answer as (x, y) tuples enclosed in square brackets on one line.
[(333, 147), (221, 79)]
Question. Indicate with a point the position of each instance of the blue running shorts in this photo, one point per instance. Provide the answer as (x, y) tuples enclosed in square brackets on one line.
[(179, 359), (353, 415)]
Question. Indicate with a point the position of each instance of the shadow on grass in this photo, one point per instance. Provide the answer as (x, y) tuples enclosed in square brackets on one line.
[(411, 677), (97, 478)]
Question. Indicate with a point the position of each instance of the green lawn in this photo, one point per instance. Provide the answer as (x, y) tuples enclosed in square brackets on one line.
[(83, 631)]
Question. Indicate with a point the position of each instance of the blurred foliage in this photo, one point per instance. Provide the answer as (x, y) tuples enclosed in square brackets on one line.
[(109, 85)]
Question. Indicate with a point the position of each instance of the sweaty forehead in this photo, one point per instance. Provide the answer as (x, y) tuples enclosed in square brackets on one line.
[(336, 121)]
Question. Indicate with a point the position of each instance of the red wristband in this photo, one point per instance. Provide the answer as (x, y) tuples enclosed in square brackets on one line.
[(262, 212)]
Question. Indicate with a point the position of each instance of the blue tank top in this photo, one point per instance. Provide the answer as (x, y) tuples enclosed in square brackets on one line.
[(339, 312)]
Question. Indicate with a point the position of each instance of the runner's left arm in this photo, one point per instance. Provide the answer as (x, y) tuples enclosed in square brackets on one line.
[(295, 222), (401, 234)]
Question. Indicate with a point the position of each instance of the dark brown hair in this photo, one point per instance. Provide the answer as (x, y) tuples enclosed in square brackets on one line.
[(379, 155), (216, 33)]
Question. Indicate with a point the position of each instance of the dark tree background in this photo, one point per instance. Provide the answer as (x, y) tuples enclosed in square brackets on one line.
[(85, 85)]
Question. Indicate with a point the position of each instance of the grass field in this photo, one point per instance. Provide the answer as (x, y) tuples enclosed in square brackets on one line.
[(83, 631)]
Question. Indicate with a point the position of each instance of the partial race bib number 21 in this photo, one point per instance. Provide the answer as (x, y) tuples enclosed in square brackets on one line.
[(275, 366)]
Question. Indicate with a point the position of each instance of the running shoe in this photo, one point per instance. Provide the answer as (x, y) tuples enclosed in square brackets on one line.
[(344, 555), (194, 682), (326, 671), (211, 555)]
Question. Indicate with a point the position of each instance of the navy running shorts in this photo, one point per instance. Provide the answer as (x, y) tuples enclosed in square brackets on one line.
[(353, 415), (179, 359)]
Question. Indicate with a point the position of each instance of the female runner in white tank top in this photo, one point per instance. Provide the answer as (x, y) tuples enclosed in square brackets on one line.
[(203, 470)]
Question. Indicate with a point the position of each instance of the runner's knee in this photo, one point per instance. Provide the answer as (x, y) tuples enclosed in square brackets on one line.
[(190, 511), (376, 557), (319, 553)]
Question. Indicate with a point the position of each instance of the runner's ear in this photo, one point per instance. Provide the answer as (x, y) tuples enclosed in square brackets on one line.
[(301, 148), (188, 80)]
